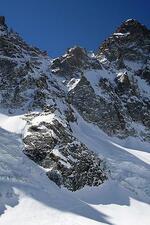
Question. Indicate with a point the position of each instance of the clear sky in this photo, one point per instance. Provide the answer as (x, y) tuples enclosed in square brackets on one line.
[(55, 25)]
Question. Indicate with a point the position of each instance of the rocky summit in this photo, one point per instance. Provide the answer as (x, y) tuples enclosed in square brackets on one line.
[(109, 88)]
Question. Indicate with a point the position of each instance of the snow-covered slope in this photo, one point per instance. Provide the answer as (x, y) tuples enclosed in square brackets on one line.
[(27, 196)]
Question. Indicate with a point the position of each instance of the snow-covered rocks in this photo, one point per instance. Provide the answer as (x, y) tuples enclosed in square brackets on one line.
[(73, 62), (50, 143)]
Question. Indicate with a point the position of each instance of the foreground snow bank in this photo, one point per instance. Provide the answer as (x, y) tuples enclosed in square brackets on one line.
[(27, 196), (13, 124)]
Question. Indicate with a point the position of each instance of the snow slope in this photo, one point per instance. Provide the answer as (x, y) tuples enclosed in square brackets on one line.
[(27, 196), (128, 165)]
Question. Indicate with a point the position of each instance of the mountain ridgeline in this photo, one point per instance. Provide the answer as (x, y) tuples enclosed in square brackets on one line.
[(109, 88)]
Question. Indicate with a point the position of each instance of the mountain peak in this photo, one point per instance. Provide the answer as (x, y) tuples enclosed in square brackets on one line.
[(133, 27), (2, 21)]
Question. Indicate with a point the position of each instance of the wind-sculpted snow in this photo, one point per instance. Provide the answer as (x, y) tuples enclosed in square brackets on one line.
[(27, 196), (129, 165)]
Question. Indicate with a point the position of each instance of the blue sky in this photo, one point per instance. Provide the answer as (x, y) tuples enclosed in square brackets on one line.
[(55, 25)]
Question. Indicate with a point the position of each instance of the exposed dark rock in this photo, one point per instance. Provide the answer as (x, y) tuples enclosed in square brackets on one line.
[(134, 27), (74, 61), (71, 164), (131, 41), (144, 74), (2, 20), (96, 109)]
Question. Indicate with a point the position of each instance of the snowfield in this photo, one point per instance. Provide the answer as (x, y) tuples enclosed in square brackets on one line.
[(27, 196)]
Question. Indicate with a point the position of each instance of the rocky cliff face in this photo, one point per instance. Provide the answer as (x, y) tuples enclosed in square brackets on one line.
[(127, 52), (113, 90), (109, 88)]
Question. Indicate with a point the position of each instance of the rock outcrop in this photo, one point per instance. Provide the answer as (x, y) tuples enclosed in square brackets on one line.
[(2, 21), (74, 62), (68, 161)]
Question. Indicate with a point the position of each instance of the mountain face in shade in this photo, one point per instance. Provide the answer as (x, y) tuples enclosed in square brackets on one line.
[(109, 89)]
